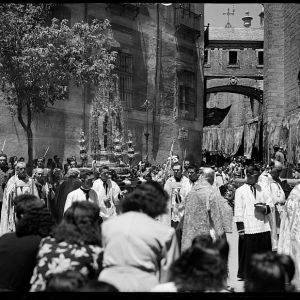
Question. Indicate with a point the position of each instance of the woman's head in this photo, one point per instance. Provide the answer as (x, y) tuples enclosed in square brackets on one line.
[(23, 203), (68, 281), (266, 274), (201, 267), (149, 198), (80, 224), (288, 265), (36, 220)]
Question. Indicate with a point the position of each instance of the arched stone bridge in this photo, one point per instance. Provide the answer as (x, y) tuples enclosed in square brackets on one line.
[(249, 91)]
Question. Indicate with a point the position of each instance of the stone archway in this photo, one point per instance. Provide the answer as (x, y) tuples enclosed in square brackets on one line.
[(238, 89)]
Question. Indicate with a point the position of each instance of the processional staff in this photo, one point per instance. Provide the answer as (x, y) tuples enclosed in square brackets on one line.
[(3, 146)]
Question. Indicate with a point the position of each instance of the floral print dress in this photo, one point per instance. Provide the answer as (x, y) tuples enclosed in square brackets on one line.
[(56, 257)]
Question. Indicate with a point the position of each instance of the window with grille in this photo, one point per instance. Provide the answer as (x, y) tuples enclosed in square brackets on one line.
[(124, 69), (233, 58), (187, 95)]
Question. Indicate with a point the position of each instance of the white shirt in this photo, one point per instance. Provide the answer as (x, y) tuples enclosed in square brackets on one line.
[(138, 252), (173, 187), (79, 195), (168, 287), (111, 195), (244, 209)]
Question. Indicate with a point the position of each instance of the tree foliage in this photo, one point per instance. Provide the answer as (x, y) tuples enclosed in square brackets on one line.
[(38, 61)]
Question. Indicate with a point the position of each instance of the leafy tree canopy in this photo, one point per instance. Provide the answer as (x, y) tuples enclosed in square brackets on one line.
[(38, 61)]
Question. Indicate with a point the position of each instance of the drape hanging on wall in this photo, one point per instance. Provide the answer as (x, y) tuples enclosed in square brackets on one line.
[(222, 139), (237, 138), (249, 138), (256, 141), (228, 140), (214, 139), (204, 139)]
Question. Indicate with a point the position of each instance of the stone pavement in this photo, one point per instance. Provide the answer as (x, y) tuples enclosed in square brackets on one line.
[(232, 239)]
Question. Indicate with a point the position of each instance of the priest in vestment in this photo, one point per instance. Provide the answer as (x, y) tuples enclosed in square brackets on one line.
[(206, 211), (289, 235), (18, 185)]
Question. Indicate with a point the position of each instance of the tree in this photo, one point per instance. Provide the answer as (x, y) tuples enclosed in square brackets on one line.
[(38, 61)]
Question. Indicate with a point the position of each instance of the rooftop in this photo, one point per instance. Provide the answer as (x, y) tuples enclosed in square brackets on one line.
[(236, 34)]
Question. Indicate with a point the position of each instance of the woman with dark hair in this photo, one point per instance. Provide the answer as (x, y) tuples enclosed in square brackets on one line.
[(98, 286), (18, 249), (289, 267), (265, 274), (201, 268), (75, 245), (68, 281), (138, 250)]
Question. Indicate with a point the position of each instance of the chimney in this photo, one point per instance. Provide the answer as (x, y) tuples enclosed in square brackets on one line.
[(247, 20), (262, 16)]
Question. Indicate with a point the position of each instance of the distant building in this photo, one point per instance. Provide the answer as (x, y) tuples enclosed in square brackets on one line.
[(158, 61), (233, 72), (282, 78)]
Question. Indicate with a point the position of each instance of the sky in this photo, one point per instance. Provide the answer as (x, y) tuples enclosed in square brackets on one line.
[(213, 14)]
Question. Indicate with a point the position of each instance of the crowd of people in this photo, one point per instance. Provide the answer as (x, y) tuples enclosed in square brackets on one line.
[(155, 229)]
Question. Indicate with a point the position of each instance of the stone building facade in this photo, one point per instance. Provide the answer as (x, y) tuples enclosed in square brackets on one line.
[(282, 79), (233, 72), (159, 62)]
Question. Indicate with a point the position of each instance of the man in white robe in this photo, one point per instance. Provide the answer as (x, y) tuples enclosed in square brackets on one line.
[(85, 192), (17, 185), (108, 194), (177, 186), (252, 206)]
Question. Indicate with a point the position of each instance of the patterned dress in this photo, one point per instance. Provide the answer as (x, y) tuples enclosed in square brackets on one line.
[(56, 257)]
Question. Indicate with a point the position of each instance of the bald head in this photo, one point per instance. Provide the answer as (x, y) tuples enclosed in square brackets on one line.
[(209, 175), (278, 165), (21, 170), (20, 165)]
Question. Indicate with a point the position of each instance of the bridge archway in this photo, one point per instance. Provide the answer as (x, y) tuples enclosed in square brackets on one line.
[(249, 91)]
